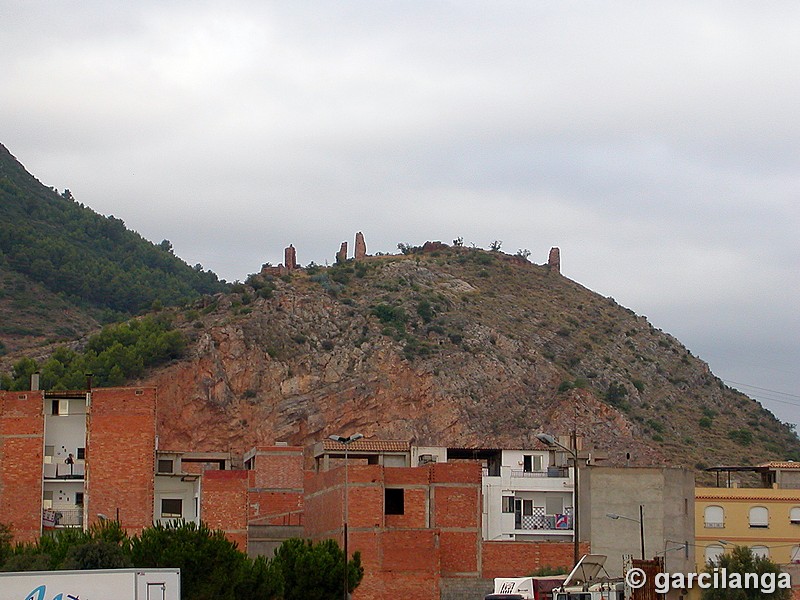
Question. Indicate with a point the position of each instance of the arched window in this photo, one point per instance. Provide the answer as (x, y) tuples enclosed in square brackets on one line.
[(714, 516), (794, 515), (713, 552), (795, 555), (760, 551), (759, 517)]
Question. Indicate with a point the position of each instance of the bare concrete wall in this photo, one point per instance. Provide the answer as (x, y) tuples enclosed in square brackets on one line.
[(667, 497), (263, 540)]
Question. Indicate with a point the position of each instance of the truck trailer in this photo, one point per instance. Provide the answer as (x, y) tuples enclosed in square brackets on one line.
[(100, 584), (582, 583)]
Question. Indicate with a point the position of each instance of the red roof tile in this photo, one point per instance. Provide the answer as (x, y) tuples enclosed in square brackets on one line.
[(369, 446)]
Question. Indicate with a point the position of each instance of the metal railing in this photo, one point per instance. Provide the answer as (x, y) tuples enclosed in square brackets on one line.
[(541, 521), (550, 472), (62, 517)]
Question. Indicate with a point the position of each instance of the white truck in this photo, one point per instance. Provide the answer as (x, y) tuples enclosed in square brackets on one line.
[(101, 584), (583, 583)]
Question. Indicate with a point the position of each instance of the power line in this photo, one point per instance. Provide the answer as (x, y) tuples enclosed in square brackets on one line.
[(769, 398), (762, 389)]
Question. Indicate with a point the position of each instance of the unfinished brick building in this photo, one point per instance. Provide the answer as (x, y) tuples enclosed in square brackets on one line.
[(69, 459), (418, 528), (47, 479)]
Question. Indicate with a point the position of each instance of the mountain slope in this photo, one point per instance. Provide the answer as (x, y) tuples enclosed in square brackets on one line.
[(90, 260), (460, 347)]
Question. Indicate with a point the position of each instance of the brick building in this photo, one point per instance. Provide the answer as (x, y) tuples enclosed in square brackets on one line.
[(418, 528), (69, 459)]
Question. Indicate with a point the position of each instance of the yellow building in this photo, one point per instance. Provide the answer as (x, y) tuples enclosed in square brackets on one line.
[(750, 506)]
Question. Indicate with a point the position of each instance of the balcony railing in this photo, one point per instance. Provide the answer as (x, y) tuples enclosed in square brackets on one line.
[(714, 525), (62, 471), (539, 521), (550, 472), (62, 517)]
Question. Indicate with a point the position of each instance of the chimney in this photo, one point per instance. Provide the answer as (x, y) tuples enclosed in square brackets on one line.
[(89, 377), (35, 381)]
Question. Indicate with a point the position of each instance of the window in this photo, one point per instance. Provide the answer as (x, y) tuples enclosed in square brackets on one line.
[(394, 501), (759, 517), (760, 551), (165, 465), (795, 555), (554, 505), (49, 453), (527, 508), (60, 407), (531, 463), (508, 504), (714, 516), (794, 515), (78, 498), (713, 552), (171, 508), (81, 453)]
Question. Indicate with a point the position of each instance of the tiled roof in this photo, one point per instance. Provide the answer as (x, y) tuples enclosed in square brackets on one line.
[(363, 445), (781, 464)]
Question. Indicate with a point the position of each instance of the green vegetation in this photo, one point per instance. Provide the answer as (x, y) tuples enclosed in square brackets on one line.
[(94, 260), (743, 437), (116, 354), (315, 570), (741, 560), (211, 566), (394, 316), (615, 395)]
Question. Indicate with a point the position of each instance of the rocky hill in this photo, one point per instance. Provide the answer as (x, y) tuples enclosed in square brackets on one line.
[(440, 345), (453, 346)]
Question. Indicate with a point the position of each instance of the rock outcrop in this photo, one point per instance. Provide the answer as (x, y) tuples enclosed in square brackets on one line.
[(290, 258), (341, 255), (361, 247), (554, 260)]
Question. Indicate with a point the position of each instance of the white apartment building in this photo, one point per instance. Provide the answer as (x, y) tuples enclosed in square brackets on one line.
[(528, 495)]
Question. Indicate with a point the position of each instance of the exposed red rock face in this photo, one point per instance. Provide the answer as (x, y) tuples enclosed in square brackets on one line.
[(554, 260), (361, 246), (341, 255), (249, 382), (462, 348)]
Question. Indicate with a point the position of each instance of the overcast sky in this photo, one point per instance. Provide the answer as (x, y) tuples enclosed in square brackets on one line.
[(657, 144)]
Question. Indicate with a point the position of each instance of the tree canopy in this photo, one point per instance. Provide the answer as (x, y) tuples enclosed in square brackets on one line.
[(737, 564), (118, 353), (212, 567), (93, 259)]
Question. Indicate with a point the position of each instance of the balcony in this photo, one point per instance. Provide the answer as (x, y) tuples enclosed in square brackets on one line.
[(63, 471), (540, 521), (562, 472), (62, 518)]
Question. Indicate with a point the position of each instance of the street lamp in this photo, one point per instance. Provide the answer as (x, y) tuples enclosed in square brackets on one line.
[(345, 441), (550, 441), (640, 521)]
